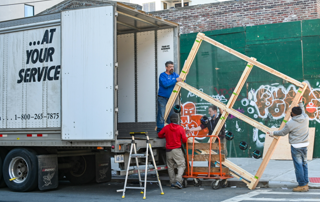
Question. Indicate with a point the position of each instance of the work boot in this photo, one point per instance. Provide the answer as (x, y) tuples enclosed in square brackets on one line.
[(178, 185), (301, 189)]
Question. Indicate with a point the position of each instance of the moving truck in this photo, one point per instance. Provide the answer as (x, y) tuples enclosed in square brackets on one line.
[(73, 85)]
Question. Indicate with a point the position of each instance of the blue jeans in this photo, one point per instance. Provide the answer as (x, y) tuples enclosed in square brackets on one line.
[(162, 102), (299, 157)]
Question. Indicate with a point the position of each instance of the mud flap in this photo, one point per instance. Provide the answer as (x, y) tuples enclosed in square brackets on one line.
[(103, 167), (47, 172)]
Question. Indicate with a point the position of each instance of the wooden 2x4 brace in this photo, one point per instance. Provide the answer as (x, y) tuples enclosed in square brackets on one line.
[(234, 112), (238, 172)]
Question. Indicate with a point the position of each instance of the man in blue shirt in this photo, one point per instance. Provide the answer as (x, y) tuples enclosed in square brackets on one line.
[(167, 81)]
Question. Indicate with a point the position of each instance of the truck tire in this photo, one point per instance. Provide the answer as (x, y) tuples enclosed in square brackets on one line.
[(84, 170), (1, 178), (3, 153), (21, 167)]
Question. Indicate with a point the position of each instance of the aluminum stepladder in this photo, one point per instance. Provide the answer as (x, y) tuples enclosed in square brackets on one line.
[(136, 156)]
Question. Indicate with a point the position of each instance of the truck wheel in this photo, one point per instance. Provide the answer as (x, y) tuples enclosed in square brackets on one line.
[(1, 178), (3, 153), (20, 170), (83, 171)]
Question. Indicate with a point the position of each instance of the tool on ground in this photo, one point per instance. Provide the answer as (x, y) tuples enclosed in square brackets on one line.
[(219, 174), (135, 155)]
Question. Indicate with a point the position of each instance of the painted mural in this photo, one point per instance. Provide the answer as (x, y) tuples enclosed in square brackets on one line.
[(267, 104)]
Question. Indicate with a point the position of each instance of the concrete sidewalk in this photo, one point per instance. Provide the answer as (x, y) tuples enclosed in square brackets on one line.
[(278, 174)]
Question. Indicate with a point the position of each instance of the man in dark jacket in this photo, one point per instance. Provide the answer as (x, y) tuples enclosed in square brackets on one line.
[(298, 130), (211, 125), (174, 133)]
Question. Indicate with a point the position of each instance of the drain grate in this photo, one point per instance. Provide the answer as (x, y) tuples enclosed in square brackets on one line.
[(314, 179)]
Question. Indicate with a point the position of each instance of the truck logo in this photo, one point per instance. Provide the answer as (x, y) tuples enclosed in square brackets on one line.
[(40, 56), (103, 173), (47, 179)]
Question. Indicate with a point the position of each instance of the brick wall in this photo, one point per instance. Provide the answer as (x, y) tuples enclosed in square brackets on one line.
[(240, 13)]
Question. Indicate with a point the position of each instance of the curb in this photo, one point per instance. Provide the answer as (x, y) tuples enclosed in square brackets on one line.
[(282, 184)]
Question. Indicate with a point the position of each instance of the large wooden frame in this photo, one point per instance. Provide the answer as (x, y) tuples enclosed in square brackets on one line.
[(236, 171)]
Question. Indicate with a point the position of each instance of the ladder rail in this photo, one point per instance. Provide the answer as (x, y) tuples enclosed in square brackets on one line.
[(128, 167), (137, 163), (154, 163)]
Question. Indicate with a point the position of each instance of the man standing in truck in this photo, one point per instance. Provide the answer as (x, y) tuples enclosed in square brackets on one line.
[(167, 81), (174, 133)]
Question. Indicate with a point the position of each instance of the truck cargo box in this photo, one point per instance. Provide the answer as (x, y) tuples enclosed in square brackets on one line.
[(82, 77)]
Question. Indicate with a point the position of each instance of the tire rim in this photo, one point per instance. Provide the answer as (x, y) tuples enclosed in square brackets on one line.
[(80, 168), (18, 169)]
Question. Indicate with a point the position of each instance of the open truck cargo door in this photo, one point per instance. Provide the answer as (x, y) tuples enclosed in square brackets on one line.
[(88, 73)]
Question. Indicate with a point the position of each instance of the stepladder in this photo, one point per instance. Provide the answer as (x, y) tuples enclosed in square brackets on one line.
[(134, 155)]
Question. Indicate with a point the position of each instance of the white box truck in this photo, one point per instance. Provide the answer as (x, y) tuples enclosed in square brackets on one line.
[(73, 85)]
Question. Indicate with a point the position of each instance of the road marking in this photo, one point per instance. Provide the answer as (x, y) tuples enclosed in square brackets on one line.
[(243, 196), (280, 199), (248, 196)]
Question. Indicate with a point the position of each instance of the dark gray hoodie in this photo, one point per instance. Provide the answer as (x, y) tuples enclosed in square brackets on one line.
[(297, 127)]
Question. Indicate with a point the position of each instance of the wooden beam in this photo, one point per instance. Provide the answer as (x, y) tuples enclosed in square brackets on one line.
[(233, 99), (124, 24), (234, 112), (274, 143), (205, 157), (206, 146), (136, 18), (183, 74), (256, 63), (212, 169)]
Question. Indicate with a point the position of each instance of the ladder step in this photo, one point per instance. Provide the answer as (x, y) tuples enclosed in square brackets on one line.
[(143, 169), (134, 187), (135, 171), (138, 155), (147, 181)]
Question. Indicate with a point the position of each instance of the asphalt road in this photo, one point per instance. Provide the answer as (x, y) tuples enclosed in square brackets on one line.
[(107, 192)]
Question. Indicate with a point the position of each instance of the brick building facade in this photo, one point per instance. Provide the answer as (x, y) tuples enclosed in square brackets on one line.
[(240, 13)]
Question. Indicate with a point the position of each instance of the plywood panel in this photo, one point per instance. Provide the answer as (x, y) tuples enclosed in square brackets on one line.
[(283, 150), (206, 146), (213, 170), (165, 50), (146, 71), (126, 97), (205, 157)]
